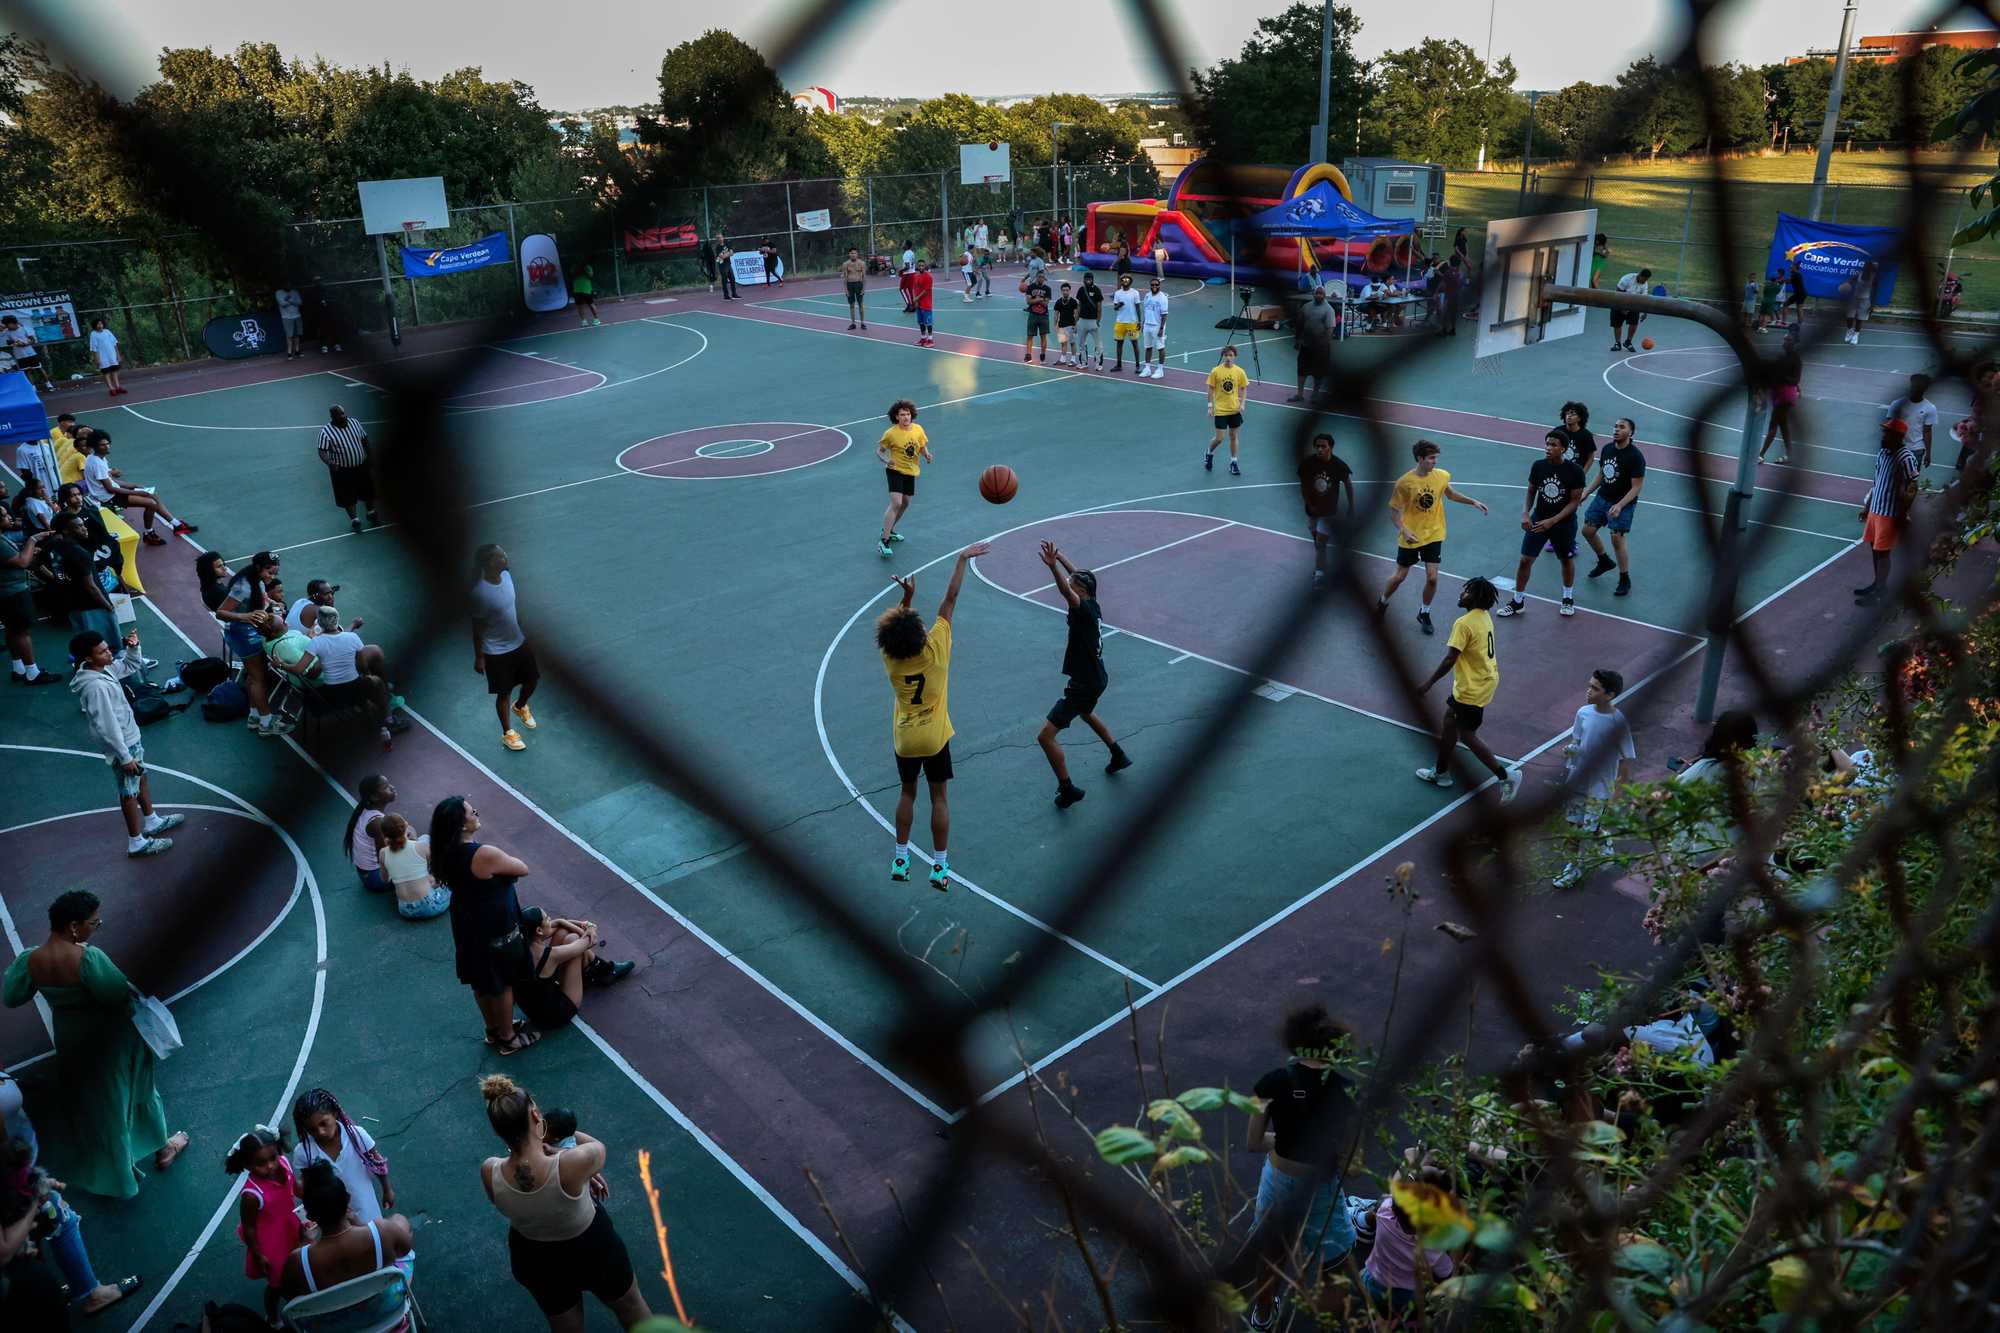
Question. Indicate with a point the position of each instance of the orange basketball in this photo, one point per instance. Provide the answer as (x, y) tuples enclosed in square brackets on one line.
[(998, 484), (1646, 343)]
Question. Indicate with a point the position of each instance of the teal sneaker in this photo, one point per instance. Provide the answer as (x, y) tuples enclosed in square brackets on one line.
[(884, 548), (941, 877), (899, 870), (895, 537)]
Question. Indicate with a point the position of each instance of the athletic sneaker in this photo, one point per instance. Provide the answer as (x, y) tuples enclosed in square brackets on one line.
[(1605, 564), (1234, 470), (895, 537), (526, 714), (1567, 877), (1624, 586), (940, 878), (184, 527), (1568, 608), (354, 523), (883, 548), (1208, 461), (864, 324), (1511, 609), (1319, 579), (850, 326), (151, 847), (164, 823), (899, 869), (1628, 345), (1424, 622), (1435, 778), (1119, 760), (512, 739), (1067, 795)]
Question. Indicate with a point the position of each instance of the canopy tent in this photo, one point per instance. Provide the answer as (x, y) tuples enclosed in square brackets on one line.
[(1324, 213), (21, 414)]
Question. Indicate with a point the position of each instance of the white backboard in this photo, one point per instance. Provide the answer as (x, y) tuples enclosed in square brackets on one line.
[(1554, 247), (387, 205), (984, 164)]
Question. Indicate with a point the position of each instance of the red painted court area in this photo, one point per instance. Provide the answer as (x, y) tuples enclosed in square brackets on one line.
[(1212, 589)]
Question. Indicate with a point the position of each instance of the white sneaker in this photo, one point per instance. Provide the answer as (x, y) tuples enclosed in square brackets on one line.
[(1435, 778)]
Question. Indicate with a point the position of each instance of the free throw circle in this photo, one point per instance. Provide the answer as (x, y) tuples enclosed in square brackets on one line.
[(736, 449)]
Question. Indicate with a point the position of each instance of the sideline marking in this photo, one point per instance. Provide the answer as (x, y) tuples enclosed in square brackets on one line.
[(228, 1203)]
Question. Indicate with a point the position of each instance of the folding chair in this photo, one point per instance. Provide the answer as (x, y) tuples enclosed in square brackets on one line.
[(372, 1303)]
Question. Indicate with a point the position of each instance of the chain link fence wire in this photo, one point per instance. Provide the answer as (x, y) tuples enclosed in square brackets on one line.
[(1127, 1261)]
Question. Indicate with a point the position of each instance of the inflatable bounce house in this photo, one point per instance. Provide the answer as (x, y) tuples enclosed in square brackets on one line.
[(1264, 225)]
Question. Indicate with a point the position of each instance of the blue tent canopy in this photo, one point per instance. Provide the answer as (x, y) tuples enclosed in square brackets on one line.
[(21, 414), (1322, 212)]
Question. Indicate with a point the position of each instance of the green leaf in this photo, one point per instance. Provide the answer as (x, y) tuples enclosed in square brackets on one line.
[(1180, 1125), (1493, 1234), (1186, 1155), (1121, 1144), (1601, 1134), (1227, 1298), (1497, 1292), (1645, 1256), (1789, 1276), (1434, 1214), (1203, 1099)]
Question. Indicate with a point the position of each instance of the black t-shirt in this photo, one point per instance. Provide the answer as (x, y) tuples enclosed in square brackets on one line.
[(1320, 480), (1799, 284), (74, 574), (1089, 301), (1123, 264), (1582, 446), (1038, 298), (1309, 1110), (1550, 484), (1083, 656), (1619, 468), (1066, 311)]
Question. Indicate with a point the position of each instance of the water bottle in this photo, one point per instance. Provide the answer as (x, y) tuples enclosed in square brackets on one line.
[(388, 740)]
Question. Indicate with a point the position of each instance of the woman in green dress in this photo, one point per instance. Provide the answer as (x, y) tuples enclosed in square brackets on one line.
[(105, 1070)]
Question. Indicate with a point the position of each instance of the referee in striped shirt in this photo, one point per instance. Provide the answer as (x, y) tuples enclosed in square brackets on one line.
[(343, 447)]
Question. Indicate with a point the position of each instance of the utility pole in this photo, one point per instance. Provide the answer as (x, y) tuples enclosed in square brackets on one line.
[(1055, 168), (1527, 152), (1325, 80), (1491, 5), (1831, 125)]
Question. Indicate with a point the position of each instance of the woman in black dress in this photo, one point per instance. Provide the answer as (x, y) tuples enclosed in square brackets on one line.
[(485, 918)]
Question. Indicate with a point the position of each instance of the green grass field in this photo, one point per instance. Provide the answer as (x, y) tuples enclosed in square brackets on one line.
[(1649, 209)]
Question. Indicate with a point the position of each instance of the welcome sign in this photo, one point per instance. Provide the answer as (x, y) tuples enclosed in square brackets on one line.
[(1831, 254)]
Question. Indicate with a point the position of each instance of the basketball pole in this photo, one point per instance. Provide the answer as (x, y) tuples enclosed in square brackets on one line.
[(1720, 615), (388, 293)]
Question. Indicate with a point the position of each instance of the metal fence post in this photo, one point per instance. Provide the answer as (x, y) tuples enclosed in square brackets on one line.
[(791, 232), (1687, 228), (1128, 180), (617, 273), (707, 224), (944, 214), (1951, 242), (1836, 203), (870, 181)]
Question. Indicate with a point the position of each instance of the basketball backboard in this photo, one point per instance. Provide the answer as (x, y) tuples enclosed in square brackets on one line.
[(1520, 257), (984, 164), (387, 207)]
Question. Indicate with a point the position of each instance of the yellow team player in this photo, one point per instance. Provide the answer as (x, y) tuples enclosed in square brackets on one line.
[(1417, 508), (1475, 675), (903, 449), (1226, 386), (919, 665)]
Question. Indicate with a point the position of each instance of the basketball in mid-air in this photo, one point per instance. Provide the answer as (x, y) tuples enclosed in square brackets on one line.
[(1646, 343), (998, 484)]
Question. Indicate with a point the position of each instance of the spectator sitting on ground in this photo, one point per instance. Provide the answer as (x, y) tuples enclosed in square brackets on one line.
[(99, 689), (406, 864), (106, 485), (561, 958), (1390, 1275), (17, 602)]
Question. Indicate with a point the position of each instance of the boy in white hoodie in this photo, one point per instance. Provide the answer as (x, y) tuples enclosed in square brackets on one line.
[(99, 689)]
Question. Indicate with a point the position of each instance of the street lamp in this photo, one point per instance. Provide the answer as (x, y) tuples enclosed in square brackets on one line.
[(1527, 151), (1055, 166)]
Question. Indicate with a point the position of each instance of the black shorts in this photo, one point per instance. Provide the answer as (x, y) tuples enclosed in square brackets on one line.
[(27, 362), (585, 298), (934, 767), (1312, 360), (854, 291), (1561, 539), (557, 1273), (17, 611), (1431, 553), (353, 486), (1467, 716), (1620, 315), (1077, 701), (1230, 422), (1038, 324), (901, 483), (349, 693), (111, 369), (505, 671)]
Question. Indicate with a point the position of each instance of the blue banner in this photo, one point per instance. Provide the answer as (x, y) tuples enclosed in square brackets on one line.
[(1831, 254), (419, 262)]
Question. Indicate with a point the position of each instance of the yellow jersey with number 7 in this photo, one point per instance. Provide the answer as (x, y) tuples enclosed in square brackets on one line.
[(922, 724)]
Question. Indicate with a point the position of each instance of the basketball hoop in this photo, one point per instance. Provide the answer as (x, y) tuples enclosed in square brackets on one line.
[(413, 233)]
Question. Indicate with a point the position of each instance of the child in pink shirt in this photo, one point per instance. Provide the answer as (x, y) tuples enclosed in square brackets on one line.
[(1390, 1275)]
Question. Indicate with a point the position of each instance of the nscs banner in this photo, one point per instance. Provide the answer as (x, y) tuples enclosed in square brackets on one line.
[(422, 262), (1831, 254)]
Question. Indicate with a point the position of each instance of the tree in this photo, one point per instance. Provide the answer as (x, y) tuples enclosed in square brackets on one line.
[(1436, 101), (1260, 106), (725, 118), (1575, 121), (1656, 109)]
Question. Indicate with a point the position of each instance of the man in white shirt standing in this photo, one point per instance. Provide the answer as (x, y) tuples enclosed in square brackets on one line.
[(909, 277), (20, 343), (1125, 324), (1633, 284), (1153, 334), (1917, 412), (500, 650), (104, 351), (291, 314)]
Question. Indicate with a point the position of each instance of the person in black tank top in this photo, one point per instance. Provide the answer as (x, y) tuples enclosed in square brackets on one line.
[(1083, 663), (485, 918)]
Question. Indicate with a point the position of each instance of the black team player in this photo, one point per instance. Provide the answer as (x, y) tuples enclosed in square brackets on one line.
[(1579, 445), (1614, 498), (1083, 663), (1548, 518), (1321, 477), (1036, 289), (1089, 313), (1066, 308)]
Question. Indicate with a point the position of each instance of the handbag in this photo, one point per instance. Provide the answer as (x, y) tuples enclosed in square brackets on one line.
[(156, 1025)]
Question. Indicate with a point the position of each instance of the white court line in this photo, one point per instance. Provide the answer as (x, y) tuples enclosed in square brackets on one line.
[(228, 1203), (14, 942), (1177, 660), (1122, 560), (847, 442), (1733, 430)]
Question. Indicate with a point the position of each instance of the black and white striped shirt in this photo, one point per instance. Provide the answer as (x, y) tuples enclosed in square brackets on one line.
[(343, 446), (1893, 470)]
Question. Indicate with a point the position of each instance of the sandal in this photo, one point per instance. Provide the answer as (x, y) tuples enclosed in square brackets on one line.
[(176, 1145), (124, 1287), (523, 1038)]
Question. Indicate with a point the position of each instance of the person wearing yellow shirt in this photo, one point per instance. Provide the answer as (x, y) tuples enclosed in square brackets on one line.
[(903, 449), (1475, 676), (918, 662), (1417, 508), (1227, 385)]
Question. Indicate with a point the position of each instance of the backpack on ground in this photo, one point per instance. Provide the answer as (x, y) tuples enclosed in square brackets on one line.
[(204, 673), (149, 702), (226, 703)]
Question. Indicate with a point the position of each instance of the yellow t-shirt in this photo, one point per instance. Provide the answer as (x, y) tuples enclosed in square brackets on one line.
[(1422, 501), (1225, 386), (1475, 675), (905, 445), (921, 725)]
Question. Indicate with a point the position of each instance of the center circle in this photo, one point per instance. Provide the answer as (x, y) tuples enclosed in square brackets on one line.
[(734, 449)]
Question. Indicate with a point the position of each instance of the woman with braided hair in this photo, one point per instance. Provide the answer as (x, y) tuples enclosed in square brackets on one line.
[(326, 1134)]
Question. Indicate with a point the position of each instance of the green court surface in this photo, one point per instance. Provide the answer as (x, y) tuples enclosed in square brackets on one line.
[(689, 497)]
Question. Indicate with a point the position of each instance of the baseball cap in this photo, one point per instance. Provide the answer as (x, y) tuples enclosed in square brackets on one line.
[(1897, 427)]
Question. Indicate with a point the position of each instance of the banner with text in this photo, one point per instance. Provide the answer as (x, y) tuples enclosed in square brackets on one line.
[(1830, 255), (423, 262), (660, 240), (50, 316), (820, 219)]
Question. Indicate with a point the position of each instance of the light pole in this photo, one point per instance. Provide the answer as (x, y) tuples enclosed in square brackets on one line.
[(1527, 152), (1055, 168), (1325, 79), (1487, 69), (1831, 125)]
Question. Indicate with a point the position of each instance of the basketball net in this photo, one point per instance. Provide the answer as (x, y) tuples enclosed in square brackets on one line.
[(413, 233)]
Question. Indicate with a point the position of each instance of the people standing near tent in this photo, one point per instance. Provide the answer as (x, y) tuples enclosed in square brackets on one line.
[(1313, 326), (1795, 299)]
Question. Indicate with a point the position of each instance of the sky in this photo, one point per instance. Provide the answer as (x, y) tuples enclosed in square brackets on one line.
[(586, 53)]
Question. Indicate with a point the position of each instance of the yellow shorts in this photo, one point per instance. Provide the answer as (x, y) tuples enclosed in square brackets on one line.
[(1125, 331)]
